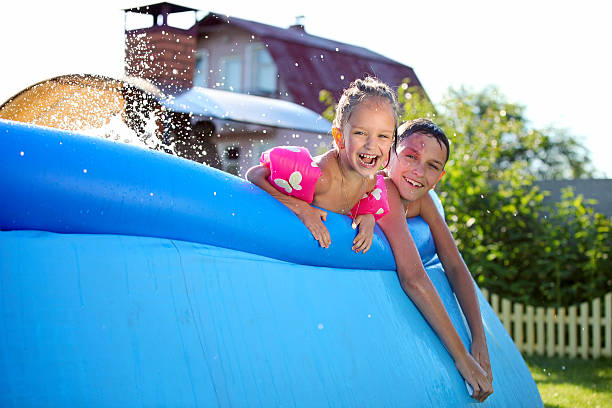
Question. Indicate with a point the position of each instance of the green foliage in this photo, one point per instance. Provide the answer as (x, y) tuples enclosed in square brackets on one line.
[(514, 244), (327, 98)]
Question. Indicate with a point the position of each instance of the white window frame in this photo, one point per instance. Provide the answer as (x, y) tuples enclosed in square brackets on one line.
[(223, 64), (251, 66), (201, 79)]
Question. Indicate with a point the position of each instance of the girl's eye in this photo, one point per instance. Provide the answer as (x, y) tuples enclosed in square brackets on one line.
[(384, 136), (433, 166)]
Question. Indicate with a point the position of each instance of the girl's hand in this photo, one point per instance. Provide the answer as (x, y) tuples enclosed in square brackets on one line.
[(313, 220), (480, 352), (363, 240), (476, 377)]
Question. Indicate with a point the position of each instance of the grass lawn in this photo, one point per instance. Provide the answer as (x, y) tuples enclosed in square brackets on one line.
[(569, 383)]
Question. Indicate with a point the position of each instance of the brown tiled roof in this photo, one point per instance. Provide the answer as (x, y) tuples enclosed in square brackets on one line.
[(308, 64)]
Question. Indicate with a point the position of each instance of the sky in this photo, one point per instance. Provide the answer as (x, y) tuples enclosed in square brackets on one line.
[(554, 57)]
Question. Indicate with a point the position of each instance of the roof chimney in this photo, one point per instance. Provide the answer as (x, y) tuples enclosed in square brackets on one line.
[(299, 24)]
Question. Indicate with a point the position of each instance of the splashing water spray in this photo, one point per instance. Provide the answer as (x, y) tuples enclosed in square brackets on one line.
[(126, 111)]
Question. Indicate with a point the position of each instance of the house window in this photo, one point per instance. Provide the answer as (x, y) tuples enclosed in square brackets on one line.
[(201, 69), (231, 74), (264, 76)]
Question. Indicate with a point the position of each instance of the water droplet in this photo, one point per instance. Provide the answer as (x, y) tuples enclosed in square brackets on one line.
[(342, 77), (320, 326), (84, 170), (369, 316), (21, 153)]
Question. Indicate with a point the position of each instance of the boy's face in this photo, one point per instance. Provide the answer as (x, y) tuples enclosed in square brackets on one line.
[(417, 166)]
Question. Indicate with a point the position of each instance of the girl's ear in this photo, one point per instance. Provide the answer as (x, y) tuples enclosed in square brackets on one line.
[(442, 174), (338, 138)]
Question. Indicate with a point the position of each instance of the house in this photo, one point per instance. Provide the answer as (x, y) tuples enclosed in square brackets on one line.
[(219, 55), (599, 190)]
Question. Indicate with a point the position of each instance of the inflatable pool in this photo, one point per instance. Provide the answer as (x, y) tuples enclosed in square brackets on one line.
[(134, 278)]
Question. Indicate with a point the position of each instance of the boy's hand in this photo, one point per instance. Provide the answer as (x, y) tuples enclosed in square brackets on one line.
[(363, 240), (313, 220), (476, 377), (480, 352)]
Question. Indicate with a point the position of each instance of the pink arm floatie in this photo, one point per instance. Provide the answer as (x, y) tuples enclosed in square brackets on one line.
[(375, 202), (292, 171)]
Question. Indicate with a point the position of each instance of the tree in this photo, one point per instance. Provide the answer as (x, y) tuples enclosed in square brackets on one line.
[(514, 244)]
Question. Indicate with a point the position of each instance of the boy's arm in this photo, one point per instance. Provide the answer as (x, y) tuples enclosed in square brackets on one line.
[(311, 217), (419, 288), (459, 278)]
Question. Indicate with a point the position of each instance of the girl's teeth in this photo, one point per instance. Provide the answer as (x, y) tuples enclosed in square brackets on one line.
[(367, 158)]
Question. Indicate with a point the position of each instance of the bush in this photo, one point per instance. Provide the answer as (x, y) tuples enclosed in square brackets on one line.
[(515, 245)]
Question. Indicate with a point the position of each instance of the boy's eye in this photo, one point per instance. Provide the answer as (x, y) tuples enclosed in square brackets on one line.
[(433, 166), (384, 136)]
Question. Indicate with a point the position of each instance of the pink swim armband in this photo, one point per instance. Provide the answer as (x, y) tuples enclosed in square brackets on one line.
[(375, 202), (292, 171)]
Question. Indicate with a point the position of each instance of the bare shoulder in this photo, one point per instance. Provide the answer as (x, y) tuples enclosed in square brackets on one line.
[(396, 208), (392, 191), (428, 208), (329, 167)]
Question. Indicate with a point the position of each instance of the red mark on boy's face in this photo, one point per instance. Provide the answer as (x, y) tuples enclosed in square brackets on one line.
[(417, 166)]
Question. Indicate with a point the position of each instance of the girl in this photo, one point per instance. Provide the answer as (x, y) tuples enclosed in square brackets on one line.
[(416, 165), (344, 179), (363, 131)]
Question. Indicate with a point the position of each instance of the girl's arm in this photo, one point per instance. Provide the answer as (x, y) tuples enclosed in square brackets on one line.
[(459, 278), (419, 288), (311, 217), (363, 240)]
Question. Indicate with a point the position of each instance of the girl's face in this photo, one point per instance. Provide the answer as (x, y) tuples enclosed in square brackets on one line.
[(367, 136), (417, 166)]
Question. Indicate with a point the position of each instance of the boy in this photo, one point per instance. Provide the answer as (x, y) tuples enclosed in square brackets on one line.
[(416, 165)]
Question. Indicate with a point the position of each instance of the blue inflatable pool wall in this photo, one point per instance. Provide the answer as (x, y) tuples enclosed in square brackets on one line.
[(135, 278)]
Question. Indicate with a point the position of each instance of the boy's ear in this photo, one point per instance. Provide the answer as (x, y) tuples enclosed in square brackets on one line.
[(442, 174), (338, 138)]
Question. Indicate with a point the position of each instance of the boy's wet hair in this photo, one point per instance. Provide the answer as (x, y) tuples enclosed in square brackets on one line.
[(357, 92), (425, 127)]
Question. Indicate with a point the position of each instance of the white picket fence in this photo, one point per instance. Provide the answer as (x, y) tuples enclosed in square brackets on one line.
[(583, 330)]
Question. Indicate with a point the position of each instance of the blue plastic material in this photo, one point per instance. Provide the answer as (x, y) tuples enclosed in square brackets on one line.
[(133, 278)]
